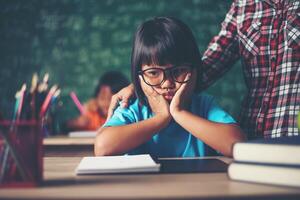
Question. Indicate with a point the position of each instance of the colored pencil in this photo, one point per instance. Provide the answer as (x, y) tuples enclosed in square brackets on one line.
[(77, 102), (47, 100), (22, 94)]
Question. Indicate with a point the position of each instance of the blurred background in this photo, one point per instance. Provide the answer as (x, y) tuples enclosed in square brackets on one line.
[(76, 41)]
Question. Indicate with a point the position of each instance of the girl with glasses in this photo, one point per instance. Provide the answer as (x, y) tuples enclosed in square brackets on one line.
[(167, 118)]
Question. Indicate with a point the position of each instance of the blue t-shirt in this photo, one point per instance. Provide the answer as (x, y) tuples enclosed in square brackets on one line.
[(172, 141)]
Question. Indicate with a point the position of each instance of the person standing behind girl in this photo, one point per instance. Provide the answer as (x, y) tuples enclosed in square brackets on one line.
[(167, 119)]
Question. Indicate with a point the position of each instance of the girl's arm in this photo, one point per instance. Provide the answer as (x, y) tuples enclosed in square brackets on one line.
[(219, 136), (120, 139)]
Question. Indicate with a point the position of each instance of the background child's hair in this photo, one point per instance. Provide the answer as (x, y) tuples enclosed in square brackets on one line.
[(114, 79), (161, 41)]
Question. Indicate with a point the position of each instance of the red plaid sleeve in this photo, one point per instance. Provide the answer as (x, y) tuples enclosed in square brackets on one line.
[(222, 51)]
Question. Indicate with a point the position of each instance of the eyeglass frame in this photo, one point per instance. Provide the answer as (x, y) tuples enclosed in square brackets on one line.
[(141, 72)]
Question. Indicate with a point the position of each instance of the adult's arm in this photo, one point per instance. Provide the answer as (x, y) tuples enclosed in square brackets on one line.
[(222, 51)]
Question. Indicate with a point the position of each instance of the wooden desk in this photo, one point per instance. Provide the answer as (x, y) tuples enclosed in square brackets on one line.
[(67, 146), (61, 183)]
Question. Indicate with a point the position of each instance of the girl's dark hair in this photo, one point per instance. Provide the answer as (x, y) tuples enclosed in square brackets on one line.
[(161, 41), (114, 79)]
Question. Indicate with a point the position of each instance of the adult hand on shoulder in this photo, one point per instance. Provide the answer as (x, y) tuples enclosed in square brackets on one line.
[(157, 102), (122, 96), (182, 97)]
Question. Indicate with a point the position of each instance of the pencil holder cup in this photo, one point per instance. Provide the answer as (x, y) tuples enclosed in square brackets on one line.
[(21, 154)]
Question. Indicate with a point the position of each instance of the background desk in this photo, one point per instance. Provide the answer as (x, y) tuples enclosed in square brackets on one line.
[(62, 183), (66, 146)]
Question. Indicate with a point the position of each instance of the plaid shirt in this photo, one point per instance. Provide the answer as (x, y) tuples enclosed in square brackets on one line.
[(265, 35)]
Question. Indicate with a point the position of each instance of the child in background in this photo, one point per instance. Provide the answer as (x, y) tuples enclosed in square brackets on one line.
[(167, 119), (96, 108)]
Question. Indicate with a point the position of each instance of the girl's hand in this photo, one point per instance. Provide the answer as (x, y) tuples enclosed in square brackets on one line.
[(157, 102), (182, 97)]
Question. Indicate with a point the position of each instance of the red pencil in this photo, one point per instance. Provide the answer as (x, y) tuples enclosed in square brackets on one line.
[(47, 100), (77, 102)]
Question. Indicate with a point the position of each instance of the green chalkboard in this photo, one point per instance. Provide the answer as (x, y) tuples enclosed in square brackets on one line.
[(76, 41)]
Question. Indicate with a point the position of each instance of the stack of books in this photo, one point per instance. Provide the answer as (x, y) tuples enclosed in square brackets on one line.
[(269, 161)]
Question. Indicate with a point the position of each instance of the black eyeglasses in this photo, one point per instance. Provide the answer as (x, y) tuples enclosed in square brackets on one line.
[(156, 76)]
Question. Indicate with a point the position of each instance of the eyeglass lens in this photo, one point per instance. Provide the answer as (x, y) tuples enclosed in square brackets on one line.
[(155, 76)]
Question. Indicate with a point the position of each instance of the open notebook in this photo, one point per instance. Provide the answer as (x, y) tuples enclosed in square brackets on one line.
[(117, 164)]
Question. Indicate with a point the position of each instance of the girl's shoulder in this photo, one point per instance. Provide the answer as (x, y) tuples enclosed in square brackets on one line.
[(203, 98), (134, 104), (207, 107), (133, 113), (136, 109), (202, 104)]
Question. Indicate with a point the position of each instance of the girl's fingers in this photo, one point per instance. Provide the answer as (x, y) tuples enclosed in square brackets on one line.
[(188, 76), (148, 90), (184, 86)]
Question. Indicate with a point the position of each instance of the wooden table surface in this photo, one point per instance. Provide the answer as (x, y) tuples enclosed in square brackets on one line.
[(65, 140), (68, 146), (60, 182)]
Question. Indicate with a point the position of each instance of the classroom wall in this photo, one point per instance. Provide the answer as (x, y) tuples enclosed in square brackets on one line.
[(75, 41)]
